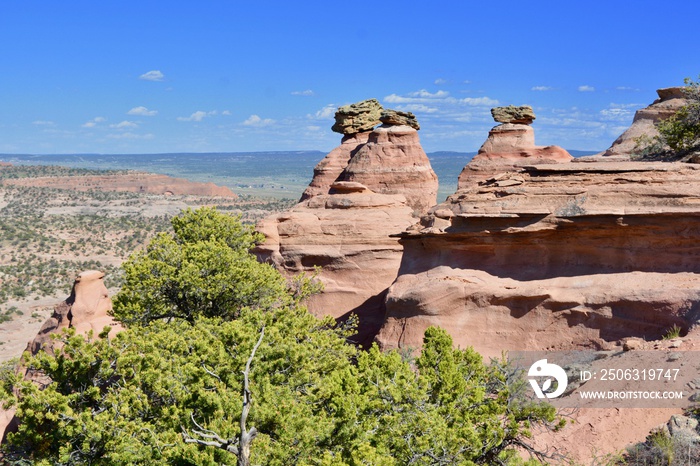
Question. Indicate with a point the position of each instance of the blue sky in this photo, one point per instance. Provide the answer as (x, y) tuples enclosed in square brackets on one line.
[(226, 76)]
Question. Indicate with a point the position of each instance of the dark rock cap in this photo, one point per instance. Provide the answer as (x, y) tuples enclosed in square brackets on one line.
[(358, 117), (396, 117), (512, 114)]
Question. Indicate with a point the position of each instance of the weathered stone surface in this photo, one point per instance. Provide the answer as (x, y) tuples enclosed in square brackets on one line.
[(508, 138), (393, 162), (395, 117), (364, 191), (330, 168), (512, 114), (358, 117), (575, 255), (85, 309), (388, 160), (345, 187), (508, 147), (348, 235), (644, 124)]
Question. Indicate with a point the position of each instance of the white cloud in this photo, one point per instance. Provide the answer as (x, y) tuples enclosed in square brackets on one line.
[(479, 101), (124, 125), (586, 88), (128, 135), (92, 123), (255, 120), (226, 112), (625, 88), (43, 123), (307, 93), (197, 116), (427, 95), (325, 113), (417, 108), (154, 75), (440, 81), (142, 111), (619, 112), (541, 88)]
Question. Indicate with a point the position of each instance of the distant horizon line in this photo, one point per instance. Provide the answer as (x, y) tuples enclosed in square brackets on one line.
[(306, 151)]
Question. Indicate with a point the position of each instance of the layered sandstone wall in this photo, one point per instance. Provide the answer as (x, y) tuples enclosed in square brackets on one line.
[(554, 256)]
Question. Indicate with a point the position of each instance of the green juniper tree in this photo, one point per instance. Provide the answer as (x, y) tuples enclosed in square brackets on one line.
[(192, 380)]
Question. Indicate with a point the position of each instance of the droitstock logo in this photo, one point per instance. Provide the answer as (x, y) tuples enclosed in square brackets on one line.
[(542, 369)]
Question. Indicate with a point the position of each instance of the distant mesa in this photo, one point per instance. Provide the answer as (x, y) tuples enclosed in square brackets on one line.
[(511, 114), (136, 182)]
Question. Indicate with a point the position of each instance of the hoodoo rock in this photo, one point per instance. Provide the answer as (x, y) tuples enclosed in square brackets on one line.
[(509, 146), (370, 187), (387, 160), (670, 100), (87, 308), (347, 234), (84, 310), (358, 117)]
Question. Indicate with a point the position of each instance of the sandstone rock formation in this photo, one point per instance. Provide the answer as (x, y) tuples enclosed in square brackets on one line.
[(554, 256), (135, 182), (670, 100), (393, 162), (358, 117), (370, 187), (387, 160), (330, 169), (509, 145), (347, 233), (85, 309)]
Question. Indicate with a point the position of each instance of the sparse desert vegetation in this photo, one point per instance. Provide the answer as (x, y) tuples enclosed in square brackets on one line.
[(48, 236)]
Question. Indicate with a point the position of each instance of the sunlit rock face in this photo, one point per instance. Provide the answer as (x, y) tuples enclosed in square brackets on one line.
[(670, 100), (554, 256), (374, 185)]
